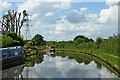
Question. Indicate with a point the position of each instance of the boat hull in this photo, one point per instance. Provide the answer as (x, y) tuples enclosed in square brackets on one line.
[(8, 63)]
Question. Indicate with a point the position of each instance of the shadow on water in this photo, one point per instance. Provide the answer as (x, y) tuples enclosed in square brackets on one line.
[(15, 71), (42, 60)]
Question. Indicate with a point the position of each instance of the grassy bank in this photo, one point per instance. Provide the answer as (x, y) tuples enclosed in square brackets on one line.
[(112, 59)]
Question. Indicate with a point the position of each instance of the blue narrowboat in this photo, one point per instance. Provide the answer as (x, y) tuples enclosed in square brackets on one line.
[(11, 56)]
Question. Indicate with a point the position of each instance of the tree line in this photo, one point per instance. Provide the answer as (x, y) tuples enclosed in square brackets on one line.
[(13, 21)]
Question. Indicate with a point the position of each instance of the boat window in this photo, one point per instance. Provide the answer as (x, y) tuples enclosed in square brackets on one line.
[(5, 55), (8, 53), (12, 53), (16, 53)]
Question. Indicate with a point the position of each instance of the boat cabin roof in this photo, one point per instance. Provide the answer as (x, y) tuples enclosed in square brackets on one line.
[(16, 47)]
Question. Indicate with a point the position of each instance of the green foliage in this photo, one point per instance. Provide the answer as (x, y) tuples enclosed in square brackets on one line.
[(18, 39), (31, 60), (50, 43), (15, 42), (13, 35), (98, 40), (21, 40), (8, 41), (33, 47), (38, 39), (25, 41), (70, 42), (33, 52), (78, 41), (25, 13), (79, 36), (27, 46), (91, 40), (30, 43)]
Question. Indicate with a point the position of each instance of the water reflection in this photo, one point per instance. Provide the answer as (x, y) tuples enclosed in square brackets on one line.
[(14, 72), (51, 53), (66, 65), (31, 60), (60, 65)]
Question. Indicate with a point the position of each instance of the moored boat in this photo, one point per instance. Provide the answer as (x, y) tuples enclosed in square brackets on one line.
[(50, 48), (11, 56)]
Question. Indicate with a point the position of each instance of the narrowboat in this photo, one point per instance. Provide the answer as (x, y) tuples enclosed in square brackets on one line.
[(11, 56), (50, 48)]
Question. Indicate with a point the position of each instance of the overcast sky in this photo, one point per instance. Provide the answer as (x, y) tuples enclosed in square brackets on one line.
[(64, 20)]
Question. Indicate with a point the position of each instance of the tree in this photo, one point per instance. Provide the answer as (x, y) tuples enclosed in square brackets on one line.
[(38, 39), (79, 36), (85, 39), (99, 40), (16, 37), (78, 41), (12, 21), (91, 40)]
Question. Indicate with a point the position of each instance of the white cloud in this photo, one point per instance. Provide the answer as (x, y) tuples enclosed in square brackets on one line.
[(43, 12), (5, 5), (109, 15), (84, 9), (109, 18), (62, 5), (112, 2), (58, 32), (49, 14)]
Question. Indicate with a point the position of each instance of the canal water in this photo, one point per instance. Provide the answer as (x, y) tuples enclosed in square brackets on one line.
[(59, 65)]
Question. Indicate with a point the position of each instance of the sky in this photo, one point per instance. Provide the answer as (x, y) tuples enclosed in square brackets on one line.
[(64, 20)]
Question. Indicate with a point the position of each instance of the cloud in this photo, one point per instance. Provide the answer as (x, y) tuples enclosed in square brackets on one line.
[(112, 2), (109, 15), (60, 21), (109, 18), (49, 14), (43, 12), (5, 5), (84, 9), (76, 17)]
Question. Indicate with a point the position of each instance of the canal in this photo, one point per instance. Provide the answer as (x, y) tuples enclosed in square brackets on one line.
[(59, 65)]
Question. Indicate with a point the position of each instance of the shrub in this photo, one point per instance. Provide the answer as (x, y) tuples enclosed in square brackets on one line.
[(30, 43), (27, 46), (7, 41), (78, 41), (15, 42), (38, 39), (13, 35), (33, 52), (99, 40), (33, 47), (18, 39)]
